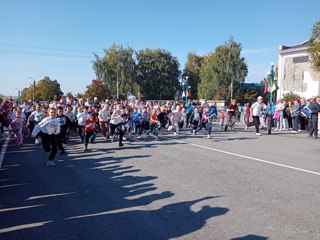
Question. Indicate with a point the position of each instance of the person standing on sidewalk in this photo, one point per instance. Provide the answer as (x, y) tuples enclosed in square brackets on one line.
[(295, 112), (313, 121), (255, 112)]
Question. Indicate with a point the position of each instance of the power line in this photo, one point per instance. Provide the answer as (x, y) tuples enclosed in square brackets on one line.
[(46, 48), (44, 54)]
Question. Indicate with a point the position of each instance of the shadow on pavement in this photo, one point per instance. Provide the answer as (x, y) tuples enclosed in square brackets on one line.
[(91, 195), (251, 237)]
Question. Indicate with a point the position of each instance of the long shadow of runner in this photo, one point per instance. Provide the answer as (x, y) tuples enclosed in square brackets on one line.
[(90, 198), (173, 220)]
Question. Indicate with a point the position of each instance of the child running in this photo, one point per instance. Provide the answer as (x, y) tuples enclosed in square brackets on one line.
[(154, 123), (17, 127), (90, 130), (50, 129)]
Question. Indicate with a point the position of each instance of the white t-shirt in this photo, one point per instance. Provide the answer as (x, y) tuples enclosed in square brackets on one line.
[(37, 116), (103, 115), (256, 109), (82, 117)]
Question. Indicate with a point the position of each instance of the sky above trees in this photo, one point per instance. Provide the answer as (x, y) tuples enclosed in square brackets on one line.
[(58, 38)]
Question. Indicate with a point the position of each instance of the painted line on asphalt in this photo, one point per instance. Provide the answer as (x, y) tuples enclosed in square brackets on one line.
[(247, 157), (4, 149)]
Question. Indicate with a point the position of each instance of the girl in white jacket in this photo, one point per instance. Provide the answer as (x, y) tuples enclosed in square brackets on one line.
[(49, 128)]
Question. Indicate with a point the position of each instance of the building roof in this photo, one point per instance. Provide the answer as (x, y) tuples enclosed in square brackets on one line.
[(301, 45)]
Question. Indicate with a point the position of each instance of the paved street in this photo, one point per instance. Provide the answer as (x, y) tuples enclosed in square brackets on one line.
[(233, 186)]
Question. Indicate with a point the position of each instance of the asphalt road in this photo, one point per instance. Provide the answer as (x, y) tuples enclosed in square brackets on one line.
[(234, 186)]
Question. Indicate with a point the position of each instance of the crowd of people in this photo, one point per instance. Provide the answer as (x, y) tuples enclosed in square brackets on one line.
[(53, 123)]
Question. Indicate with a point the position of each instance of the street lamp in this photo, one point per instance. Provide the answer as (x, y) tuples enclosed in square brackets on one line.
[(185, 83), (34, 88), (271, 75), (19, 102)]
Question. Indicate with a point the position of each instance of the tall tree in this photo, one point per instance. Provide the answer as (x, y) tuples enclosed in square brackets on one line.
[(157, 73), (46, 90), (223, 71), (192, 70), (97, 89), (116, 70), (314, 46)]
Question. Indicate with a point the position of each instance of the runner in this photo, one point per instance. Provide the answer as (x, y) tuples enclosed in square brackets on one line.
[(49, 128), (90, 130), (154, 123), (104, 117), (65, 123), (206, 121), (82, 116), (231, 111), (36, 117), (116, 123)]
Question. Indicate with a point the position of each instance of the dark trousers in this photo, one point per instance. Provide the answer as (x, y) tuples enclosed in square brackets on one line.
[(290, 122), (255, 122), (313, 126), (81, 132), (119, 127), (89, 135), (188, 119), (195, 124), (139, 129), (304, 123), (49, 144)]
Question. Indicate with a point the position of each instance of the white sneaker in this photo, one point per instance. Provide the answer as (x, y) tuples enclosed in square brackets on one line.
[(246, 128), (294, 131), (124, 138), (50, 163), (37, 141), (175, 133), (208, 136), (194, 132), (139, 137), (258, 134)]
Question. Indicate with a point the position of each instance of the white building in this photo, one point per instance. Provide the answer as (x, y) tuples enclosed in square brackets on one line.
[(295, 73)]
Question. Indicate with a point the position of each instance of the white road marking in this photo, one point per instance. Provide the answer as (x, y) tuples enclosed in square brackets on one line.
[(4, 149), (25, 226), (247, 157)]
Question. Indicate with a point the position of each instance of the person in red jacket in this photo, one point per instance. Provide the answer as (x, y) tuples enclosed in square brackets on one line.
[(90, 130)]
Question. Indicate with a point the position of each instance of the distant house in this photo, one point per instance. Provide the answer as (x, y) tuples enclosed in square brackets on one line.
[(256, 86), (295, 73)]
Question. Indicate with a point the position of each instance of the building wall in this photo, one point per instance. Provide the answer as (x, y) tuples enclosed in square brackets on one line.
[(297, 76)]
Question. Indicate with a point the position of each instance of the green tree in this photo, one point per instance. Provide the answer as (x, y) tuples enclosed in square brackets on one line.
[(314, 46), (289, 97), (27, 93), (157, 73), (97, 89), (79, 95), (192, 70), (222, 72), (116, 69), (46, 90), (69, 95)]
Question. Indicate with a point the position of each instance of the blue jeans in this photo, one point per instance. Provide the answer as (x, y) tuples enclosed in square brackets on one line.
[(207, 124), (295, 123)]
